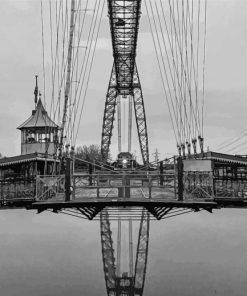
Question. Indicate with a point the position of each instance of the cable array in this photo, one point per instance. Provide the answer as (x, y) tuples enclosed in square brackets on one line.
[(235, 145), (178, 30), (69, 38)]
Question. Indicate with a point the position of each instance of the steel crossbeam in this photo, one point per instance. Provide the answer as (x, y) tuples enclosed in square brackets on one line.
[(124, 23)]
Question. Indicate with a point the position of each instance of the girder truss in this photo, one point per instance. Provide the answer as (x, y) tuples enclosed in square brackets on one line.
[(108, 253), (140, 116), (124, 18), (109, 116), (142, 254)]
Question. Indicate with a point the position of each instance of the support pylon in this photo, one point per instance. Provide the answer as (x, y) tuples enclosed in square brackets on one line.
[(110, 110)]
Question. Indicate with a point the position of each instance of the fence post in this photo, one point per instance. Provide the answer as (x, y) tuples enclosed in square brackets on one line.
[(98, 193), (127, 186), (180, 178), (175, 178), (90, 170), (1, 184), (121, 191), (149, 186), (161, 173), (67, 179)]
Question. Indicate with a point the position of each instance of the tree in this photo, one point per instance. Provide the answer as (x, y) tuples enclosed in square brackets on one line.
[(90, 153)]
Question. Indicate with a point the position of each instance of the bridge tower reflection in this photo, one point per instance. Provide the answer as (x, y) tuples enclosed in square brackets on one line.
[(128, 282)]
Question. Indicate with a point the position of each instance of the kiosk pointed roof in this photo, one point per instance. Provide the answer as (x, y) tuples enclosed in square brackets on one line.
[(38, 119)]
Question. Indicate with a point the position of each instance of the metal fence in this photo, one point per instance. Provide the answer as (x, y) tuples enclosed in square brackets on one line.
[(198, 185), (108, 185), (50, 187), (19, 188), (124, 185)]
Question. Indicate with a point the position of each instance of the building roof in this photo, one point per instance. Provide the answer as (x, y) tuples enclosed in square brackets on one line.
[(6, 161), (223, 158), (38, 119)]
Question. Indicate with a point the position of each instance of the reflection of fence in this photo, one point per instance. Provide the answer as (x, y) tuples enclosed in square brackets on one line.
[(50, 187), (18, 188)]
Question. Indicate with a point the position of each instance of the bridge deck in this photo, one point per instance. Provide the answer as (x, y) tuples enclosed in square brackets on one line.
[(90, 207), (122, 202)]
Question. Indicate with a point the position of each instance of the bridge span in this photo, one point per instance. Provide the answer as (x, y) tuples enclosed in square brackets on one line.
[(169, 188)]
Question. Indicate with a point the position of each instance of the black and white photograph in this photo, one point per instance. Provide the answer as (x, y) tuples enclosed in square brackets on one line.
[(123, 147)]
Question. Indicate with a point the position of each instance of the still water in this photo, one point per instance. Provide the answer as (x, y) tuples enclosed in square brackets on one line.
[(53, 254)]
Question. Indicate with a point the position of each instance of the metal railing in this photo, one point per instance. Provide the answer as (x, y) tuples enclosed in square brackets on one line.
[(198, 185), (108, 185), (124, 185), (50, 187), (18, 188)]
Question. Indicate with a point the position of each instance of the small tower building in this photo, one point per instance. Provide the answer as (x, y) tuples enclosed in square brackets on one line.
[(39, 140), (39, 134)]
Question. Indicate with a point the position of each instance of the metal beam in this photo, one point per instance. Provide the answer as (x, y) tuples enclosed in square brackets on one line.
[(140, 116), (124, 24), (109, 116), (142, 254), (108, 253)]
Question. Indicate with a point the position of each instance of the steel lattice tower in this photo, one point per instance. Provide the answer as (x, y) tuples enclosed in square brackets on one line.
[(124, 18)]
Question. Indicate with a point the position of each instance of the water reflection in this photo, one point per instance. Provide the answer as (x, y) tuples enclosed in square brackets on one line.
[(124, 279), (58, 255)]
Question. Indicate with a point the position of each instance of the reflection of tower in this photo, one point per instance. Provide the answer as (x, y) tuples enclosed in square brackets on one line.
[(120, 282), (124, 87)]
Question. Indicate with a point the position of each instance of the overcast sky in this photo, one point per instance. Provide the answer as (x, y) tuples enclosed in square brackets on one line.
[(226, 89)]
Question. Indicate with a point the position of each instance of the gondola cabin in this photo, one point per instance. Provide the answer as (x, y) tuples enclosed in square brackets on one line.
[(125, 160)]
